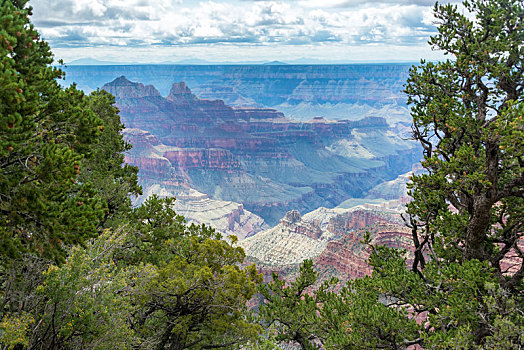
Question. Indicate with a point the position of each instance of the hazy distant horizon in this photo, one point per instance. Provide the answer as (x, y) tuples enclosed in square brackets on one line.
[(88, 61)]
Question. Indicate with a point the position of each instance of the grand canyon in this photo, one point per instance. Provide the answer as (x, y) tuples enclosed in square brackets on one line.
[(301, 92), (252, 175), (227, 142)]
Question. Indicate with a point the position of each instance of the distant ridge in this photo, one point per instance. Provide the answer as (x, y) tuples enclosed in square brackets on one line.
[(94, 62), (201, 62), (331, 91), (191, 61), (88, 61), (275, 63)]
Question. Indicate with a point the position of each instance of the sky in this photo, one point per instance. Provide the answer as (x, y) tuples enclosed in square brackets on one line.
[(156, 31)]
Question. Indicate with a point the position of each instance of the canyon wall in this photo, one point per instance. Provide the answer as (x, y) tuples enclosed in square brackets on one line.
[(300, 91), (332, 238), (255, 156)]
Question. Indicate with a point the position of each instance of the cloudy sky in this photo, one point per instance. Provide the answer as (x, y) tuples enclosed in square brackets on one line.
[(237, 30)]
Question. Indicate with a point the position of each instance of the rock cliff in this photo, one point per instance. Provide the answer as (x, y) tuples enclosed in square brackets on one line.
[(331, 237), (288, 243), (256, 156), (301, 91), (228, 218), (346, 257)]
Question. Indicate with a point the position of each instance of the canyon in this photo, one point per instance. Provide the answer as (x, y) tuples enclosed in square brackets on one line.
[(301, 92), (255, 157), (251, 171), (331, 237), (297, 162)]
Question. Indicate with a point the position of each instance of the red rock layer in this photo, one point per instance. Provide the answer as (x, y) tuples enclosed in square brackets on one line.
[(347, 257), (202, 158), (151, 166)]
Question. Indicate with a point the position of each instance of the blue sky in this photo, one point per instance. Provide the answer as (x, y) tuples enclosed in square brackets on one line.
[(237, 30)]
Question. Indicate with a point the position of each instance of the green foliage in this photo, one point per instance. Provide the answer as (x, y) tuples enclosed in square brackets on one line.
[(190, 294), (44, 132), (290, 309), (13, 330), (196, 297), (362, 316), (468, 209), (103, 166), (467, 114), (61, 153), (507, 325), (153, 223), (85, 302)]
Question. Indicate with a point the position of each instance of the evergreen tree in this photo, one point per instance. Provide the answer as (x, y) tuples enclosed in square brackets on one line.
[(196, 295), (154, 283), (62, 178), (290, 309), (103, 166), (464, 289), (45, 131), (467, 212)]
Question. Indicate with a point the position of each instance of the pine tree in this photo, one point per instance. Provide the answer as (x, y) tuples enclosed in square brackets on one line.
[(103, 165), (195, 296), (45, 130), (465, 286), (290, 309)]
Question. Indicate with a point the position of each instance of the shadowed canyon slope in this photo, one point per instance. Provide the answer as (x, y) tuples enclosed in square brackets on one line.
[(300, 91), (255, 156)]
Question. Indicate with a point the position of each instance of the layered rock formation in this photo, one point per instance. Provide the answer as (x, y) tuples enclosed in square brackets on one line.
[(236, 167), (228, 218), (288, 243), (256, 156), (301, 91), (331, 237), (346, 257)]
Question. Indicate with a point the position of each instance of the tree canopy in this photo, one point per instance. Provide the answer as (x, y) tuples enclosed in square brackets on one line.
[(43, 131), (49, 135), (81, 268), (465, 286)]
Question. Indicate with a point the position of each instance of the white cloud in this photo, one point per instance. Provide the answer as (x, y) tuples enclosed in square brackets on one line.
[(167, 23)]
